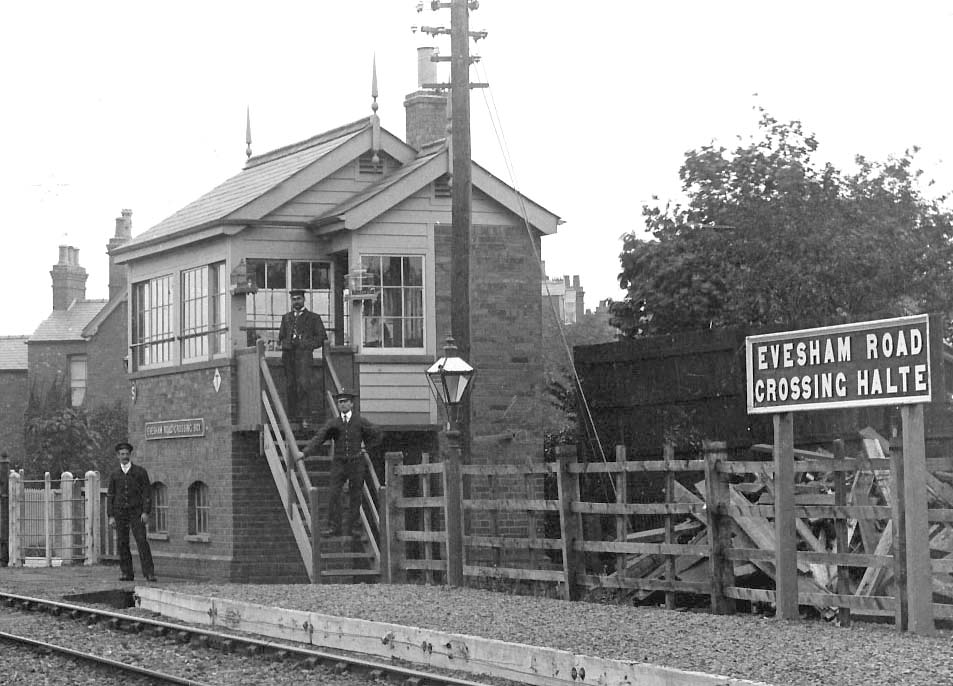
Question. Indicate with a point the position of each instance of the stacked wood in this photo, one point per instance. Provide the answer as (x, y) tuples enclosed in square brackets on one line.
[(845, 531)]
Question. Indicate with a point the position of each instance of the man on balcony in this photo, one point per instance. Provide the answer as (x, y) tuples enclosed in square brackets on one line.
[(301, 332)]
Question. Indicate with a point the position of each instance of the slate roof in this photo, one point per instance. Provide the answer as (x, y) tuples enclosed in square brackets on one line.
[(68, 325), (13, 353), (260, 175)]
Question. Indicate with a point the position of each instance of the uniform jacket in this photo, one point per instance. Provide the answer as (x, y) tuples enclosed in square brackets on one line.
[(307, 333), (347, 438), (129, 493)]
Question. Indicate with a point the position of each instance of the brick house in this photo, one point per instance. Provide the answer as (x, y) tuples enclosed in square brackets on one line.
[(79, 349), (360, 220), (14, 390)]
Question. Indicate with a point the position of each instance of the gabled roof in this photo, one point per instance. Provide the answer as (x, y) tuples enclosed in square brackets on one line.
[(265, 182), (432, 163), (68, 324), (13, 353), (92, 327)]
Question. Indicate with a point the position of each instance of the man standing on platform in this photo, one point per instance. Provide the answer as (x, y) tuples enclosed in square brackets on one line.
[(301, 332), (349, 429), (128, 504)]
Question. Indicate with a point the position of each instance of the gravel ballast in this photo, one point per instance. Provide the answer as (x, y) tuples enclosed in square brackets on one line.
[(805, 653), (810, 652)]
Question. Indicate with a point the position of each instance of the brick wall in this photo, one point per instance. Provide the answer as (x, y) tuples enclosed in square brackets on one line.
[(249, 536), (14, 391), (505, 332), (107, 381)]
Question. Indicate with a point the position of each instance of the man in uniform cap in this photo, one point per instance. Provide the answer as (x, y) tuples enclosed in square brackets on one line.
[(128, 504), (301, 332), (351, 433)]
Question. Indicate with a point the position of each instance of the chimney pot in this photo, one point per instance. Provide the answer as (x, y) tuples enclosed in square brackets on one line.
[(575, 280), (566, 280), (426, 68)]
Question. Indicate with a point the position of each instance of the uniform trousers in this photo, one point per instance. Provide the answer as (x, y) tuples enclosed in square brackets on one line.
[(298, 382), (351, 470), (126, 520)]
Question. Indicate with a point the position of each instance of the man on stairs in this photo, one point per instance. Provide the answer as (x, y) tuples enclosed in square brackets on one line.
[(348, 430)]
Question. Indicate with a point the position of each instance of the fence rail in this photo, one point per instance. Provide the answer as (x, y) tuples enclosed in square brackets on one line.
[(711, 531)]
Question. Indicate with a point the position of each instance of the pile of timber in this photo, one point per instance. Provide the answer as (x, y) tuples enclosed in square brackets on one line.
[(867, 486)]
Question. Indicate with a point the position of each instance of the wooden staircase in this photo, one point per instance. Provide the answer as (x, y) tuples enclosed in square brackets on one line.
[(343, 559), (303, 485)]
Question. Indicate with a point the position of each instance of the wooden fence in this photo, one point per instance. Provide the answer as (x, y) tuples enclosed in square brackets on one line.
[(717, 533)]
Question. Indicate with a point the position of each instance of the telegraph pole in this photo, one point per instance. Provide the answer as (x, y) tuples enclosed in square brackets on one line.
[(461, 192), (461, 180)]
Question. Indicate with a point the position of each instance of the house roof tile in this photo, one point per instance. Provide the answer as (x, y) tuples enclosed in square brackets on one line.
[(68, 324), (13, 353)]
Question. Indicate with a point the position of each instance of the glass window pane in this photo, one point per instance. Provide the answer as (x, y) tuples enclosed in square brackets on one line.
[(414, 333), (257, 269), (372, 332), (392, 271), (393, 335), (413, 271), (391, 298), (301, 275), (277, 272), (320, 275)]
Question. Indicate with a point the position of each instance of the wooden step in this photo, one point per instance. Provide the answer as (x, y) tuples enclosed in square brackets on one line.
[(350, 572)]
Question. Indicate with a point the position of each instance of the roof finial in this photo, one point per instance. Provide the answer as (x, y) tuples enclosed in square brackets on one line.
[(375, 120), (248, 131)]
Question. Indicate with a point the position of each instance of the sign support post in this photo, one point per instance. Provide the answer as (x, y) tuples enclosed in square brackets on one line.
[(785, 554), (913, 502)]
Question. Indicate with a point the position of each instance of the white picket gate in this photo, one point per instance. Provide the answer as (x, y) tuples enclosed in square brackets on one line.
[(55, 526)]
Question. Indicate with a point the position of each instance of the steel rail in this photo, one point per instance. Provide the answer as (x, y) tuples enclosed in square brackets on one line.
[(98, 659), (311, 655)]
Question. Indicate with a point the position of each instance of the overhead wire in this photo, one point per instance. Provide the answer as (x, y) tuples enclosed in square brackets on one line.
[(497, 125)]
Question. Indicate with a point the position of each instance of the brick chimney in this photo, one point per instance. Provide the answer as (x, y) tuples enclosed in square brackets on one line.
[(117, 273), (69, 279), (426, 108)]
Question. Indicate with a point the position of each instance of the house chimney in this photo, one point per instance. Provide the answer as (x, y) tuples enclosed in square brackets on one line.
[(566, 280), (117, 273), (426, 107), (575, 281), (69, 279)]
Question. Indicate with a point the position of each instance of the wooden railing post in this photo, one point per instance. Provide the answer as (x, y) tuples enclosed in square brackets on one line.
[(840, 531), (48, 517), (719, 533), (91, 523), (65, 538), (394, 517), (4, 510), (453, 504), (569, 523), (621, 520), (15, 510), (668, 454), (316, 565)]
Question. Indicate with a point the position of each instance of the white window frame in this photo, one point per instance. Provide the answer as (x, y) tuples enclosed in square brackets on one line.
[(204, 312), (153, 322), (78, 382), (368, 306)]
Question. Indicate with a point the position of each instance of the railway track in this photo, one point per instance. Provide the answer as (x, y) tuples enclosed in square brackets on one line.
[(305, 658), (125, 668)]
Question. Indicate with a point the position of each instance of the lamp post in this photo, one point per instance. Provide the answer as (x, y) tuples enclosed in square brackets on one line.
[(450, 380)]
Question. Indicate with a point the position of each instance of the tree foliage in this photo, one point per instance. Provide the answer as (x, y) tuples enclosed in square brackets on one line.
[(60, 438), (770, 236)]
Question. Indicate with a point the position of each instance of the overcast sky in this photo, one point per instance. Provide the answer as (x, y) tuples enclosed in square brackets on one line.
[(112, 105)]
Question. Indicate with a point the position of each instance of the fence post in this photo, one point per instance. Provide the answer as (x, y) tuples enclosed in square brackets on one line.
[(621, 498), (91, 523), (48, 517), (453, 504), (316, 565), (719, 534), (668, 454), (65, 520), (15, 509), (384, 533), (569, 524), (394, 517), (840, 531), (4, 510)]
